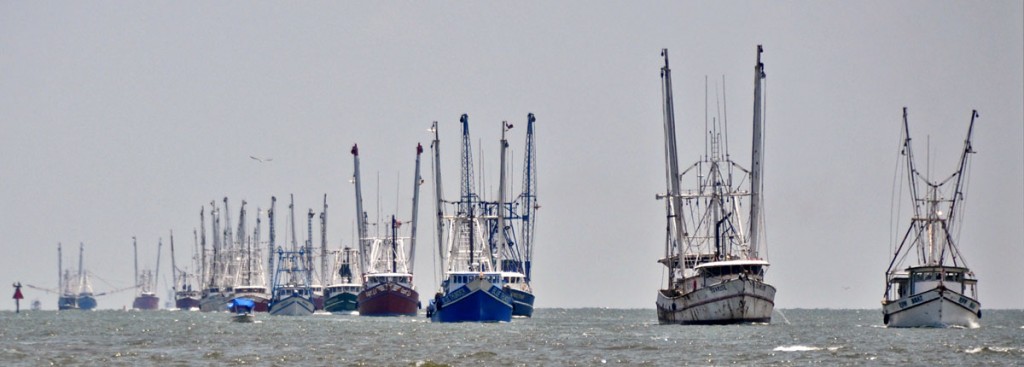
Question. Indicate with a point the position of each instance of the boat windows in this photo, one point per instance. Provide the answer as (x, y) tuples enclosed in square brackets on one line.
[(724, 271)]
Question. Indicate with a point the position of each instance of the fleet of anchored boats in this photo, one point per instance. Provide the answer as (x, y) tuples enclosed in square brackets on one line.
[(715, 246)]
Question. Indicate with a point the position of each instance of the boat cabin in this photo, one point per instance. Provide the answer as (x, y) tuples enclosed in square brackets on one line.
[(456, 280), (512, 278), (292, 289), (732, 268), (375, 279), (251, 289), (916, 280), (715, 272), (343, 288)]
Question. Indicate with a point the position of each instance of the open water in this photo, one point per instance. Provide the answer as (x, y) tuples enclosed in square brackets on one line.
[(554, 337)]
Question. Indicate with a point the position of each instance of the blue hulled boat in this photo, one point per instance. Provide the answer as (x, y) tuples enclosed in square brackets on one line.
[(472, 297), (480, 258)]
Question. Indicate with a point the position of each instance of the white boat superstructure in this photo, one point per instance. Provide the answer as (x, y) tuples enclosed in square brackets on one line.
[(928, 283), (713, 243)]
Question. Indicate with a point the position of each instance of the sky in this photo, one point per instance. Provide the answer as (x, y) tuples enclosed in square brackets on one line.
[(123, 119)]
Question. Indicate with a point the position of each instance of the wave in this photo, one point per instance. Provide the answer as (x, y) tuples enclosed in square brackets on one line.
[(805, 348), (796, 348), (993, 349)]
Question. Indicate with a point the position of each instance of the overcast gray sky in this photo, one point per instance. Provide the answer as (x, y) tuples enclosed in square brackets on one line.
[(122, 119)]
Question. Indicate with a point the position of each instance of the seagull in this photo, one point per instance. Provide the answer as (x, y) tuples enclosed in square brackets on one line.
[(261, 160)]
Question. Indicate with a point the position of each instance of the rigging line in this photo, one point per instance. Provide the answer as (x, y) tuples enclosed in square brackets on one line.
[(896, 196), (725, 123)]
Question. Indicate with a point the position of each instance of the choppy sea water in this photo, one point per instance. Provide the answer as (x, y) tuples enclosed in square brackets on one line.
[(553, 337)]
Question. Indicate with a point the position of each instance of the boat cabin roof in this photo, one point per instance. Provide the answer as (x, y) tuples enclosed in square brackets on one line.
[(936, 269), (378, 275), (717, 264)]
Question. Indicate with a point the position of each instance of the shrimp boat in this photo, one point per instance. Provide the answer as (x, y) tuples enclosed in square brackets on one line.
[(342, 295), (292, 294), (386, 263), (185, 298), (217, 289), (509, 221), (715, 269), (145, 282), (936, 288), (250, 282), (66, 299), (473, 286), (86, 299)]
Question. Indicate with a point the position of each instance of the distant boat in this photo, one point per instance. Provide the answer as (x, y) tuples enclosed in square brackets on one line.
[(342, 295), (243, 309), (712, 248), (386, 263), (291, 294), (67, 298), (928, 283), (217, 289), (185, 297), (473, 286), (250, 281), (145, 282), (86, 300), (504, 220)]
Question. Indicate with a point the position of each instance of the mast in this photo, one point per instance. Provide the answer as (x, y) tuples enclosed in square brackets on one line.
[(174, 267), (270, 245), (214, 230), (81, 272), (502, 241), (291, 216), (529, 195), (254, 249), (323, 244), (60, 270), (435, 146), (756, 159), (466, 195), (364, 251), (228, 235), (156, 277), (394, 244), (202, 247), (415, 209), (673, 203), (309, 242), (135, 249), (960, 171)]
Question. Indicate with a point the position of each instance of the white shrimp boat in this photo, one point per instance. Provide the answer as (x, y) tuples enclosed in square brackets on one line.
[(936, 289), (715, 269)]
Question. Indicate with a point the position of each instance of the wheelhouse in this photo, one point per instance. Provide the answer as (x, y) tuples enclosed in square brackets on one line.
[(375, 279)]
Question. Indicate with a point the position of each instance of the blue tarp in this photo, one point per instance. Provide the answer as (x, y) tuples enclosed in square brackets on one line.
[(241, 304)]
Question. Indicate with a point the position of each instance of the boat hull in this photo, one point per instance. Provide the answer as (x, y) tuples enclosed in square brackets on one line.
[(186, 301), (146, 302), (734, 301), (388, 299), (67, 303), (522, 303), (342, 302), (477, 301), (292, 306), (86, 302), (937, 307), (213, 302)]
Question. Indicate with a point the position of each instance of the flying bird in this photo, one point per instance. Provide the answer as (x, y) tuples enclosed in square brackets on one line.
[(261, 160)]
